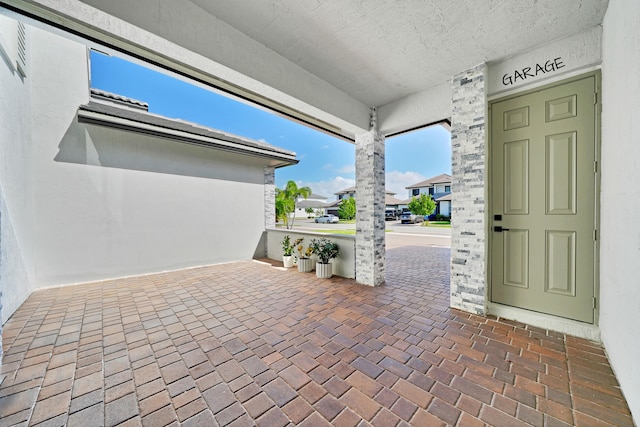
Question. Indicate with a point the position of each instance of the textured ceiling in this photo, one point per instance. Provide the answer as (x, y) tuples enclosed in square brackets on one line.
[(325, 62), (380, 51)]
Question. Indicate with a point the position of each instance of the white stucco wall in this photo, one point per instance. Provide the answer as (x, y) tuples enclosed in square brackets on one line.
[(15, 204), (620, 196), (441, 188), (344, 265), (445, 208), (574, 54), (84, 202), (117, 203), (302, 213)]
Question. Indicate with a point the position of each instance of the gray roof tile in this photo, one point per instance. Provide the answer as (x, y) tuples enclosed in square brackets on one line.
[(101, 94), (108, 113), (439, 179)]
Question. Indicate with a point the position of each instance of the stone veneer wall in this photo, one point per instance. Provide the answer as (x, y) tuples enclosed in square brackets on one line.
[(269, 204), (370, 205), (0, 331), (269, 197), (468, 242)]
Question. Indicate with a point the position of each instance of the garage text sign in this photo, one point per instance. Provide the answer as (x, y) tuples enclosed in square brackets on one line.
[(549, 66)]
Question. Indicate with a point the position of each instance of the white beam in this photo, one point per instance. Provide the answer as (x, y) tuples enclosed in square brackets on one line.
[(429, 106), (182, 37)]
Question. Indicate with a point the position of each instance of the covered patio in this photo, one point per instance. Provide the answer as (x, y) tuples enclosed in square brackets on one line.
[(363, 72), (250, 343)]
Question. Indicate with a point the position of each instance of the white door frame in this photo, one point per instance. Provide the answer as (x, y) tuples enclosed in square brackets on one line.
[(542, 320)]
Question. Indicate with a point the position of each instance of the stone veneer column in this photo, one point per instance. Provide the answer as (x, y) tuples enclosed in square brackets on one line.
[(269, 204), (370, 205), (0, 331), (468, 243), (269, 197)]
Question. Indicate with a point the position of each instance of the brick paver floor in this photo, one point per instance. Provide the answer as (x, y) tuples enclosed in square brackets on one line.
[(248, 343)]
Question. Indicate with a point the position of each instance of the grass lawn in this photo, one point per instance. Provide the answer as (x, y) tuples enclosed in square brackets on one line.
[(441, 224), (340, 231), (347, 221)]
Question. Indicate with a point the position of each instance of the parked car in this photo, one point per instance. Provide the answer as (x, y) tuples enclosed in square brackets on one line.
[(409, 218), (327, 219), (390, 215)]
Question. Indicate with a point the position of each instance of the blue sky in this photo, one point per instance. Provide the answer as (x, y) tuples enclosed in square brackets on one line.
[(327, 164)]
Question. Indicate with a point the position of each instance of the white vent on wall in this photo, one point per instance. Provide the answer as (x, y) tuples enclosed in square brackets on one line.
[(7, 40), (14, 44), (21, 51)]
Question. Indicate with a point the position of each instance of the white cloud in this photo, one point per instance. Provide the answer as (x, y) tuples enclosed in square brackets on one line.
[(397, 182), (347, 169), (328, 188)]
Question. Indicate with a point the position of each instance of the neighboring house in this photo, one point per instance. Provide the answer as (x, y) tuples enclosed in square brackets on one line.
[(351, 192), (314, 201), (391, 202), (347, 192), (438, 187), (443, 205), (332, 207), (93, 186)]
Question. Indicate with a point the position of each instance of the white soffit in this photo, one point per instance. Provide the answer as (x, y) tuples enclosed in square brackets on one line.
[(332, 59), (379, 51)]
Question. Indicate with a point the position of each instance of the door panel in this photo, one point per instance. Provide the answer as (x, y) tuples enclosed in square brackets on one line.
[(516, 258), (542, 152), (561, 262), (516, 177), (562, 108), (517, 118), (561, 174)]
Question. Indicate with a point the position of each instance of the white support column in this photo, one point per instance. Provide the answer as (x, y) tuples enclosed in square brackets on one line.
[(370, 204), (468, 241)]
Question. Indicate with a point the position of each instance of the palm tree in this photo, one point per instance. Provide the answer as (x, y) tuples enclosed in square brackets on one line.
[(287, 199), (283, 207)]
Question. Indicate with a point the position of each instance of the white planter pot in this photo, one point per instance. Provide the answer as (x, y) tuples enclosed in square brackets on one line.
[(287, 261), (323, 271), (305, 265)]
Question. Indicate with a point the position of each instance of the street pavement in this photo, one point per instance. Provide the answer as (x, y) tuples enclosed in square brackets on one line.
[(398, 235)]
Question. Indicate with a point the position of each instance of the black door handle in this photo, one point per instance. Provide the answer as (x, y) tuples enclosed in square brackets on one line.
[(499, 229)]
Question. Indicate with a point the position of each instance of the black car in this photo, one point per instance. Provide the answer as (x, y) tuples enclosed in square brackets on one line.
[(390, 215)]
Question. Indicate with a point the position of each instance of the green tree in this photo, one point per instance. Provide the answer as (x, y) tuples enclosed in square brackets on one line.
[(422, 205), (287, 199), (283, 207), (309, 211), (347, 208)]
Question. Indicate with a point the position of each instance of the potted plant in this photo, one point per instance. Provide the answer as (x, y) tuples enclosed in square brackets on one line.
[(304, 261), (287, 250), (325, 250)]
